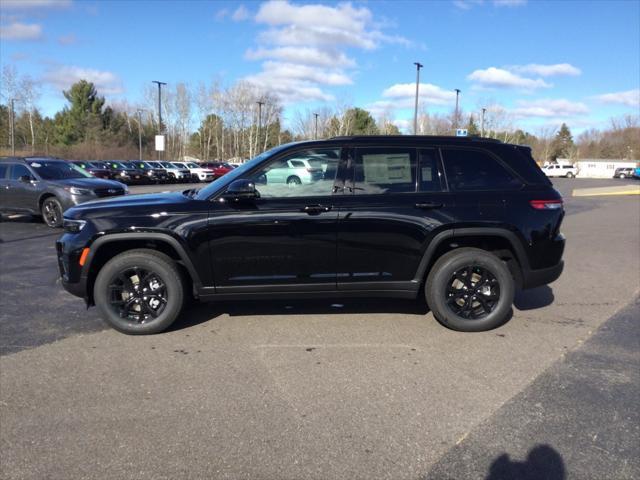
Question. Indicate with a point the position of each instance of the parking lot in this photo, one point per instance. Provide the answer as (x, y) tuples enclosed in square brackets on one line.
[(358, 388)]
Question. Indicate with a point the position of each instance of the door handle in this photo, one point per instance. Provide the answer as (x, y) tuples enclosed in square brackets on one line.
[(316, 209), (429, 205)]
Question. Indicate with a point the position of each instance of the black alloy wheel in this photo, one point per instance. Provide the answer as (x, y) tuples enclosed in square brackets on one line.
[(139, 291), (293, 181), (52, 212), (138, 295), (473, 292), (470, 290)]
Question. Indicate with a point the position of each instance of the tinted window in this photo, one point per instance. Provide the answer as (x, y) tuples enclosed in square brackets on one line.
[(58, 170), (475, 170), (290, 176), (428, 169), (18, 171), (3, 170), (385, 170)]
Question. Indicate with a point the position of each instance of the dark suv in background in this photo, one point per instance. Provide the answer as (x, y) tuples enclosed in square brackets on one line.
[(463, 221), (47, 187)]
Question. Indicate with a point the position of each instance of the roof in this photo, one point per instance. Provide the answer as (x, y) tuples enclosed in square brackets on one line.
[(431, 138)]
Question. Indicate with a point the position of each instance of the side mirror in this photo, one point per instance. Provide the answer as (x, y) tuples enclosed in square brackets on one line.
[(25, 179), (239, 190)]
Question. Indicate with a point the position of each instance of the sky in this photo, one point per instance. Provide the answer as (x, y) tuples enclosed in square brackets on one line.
[(544, 62)]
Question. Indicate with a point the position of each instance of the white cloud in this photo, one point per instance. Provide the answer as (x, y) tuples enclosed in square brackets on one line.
[(493, 77), (428, 92), (33, 4), (303, 48), (21, 31), (221, 14), (62, 77), (509, 3), (67, 39), (630, 98), (241, 13), (546, 70), (302, 55), (549, 108), (469, 4)]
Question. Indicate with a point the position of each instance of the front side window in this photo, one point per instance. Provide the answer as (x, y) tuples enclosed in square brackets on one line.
[(3, 170), (18, 171), (476, 170), (306, 173), (380, 170)]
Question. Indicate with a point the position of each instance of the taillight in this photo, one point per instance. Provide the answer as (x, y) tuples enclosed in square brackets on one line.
[(546, 204)]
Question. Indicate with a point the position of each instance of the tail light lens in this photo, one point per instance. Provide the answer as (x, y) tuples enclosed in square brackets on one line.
[(547, 204)]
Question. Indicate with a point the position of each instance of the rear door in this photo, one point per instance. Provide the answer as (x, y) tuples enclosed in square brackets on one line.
[(22, 196), (4, 185), (395, 202)]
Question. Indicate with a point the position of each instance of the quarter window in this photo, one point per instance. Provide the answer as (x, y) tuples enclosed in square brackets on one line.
[(384, 170), (306, 173), (475, 170), (428, 169)]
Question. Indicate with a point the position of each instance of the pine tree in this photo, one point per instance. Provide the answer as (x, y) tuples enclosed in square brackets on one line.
[(562, 146), (472, 128)]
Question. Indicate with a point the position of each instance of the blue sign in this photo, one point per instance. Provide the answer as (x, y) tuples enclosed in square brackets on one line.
[(461, 132)]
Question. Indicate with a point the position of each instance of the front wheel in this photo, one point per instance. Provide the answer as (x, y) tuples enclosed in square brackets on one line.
[(622, 175), (52, 212), (294, 181), (139, 292), (470, 290), (570, 175)]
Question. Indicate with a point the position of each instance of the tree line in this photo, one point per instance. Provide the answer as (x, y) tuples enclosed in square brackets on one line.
[(240, 121)]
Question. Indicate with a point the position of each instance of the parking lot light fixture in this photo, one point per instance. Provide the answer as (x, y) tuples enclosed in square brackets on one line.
[(415, 114)]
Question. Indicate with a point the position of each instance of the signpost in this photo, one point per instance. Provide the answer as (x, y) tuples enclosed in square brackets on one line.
[(159, 143)]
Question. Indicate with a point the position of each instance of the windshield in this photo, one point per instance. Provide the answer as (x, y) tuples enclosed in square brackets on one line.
[(115, 166), (178, 165), (58, 170), (166, 165), (141, 165), (193, 165), (98, 165), (237, 173)]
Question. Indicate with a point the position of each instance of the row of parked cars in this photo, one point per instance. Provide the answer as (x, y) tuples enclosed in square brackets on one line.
[(149, 172)]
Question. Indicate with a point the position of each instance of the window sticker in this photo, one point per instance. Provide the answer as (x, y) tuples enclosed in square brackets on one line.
[(427, 174), (385, 168), (35, 165)]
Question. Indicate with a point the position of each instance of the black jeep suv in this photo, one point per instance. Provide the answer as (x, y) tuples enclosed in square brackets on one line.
[(463, 221)]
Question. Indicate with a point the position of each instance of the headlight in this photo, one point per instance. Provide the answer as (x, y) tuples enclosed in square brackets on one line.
[(123, 174), (79, 191), (73, 226), (150, 173)]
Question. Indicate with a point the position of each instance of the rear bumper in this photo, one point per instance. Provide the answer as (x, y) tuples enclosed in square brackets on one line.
[(542, 276)]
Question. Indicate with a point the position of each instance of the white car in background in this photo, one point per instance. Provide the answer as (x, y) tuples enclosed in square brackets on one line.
[(560, 170), (203, 174)]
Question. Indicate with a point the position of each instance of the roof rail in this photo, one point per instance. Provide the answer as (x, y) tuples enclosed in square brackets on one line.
[(418, 137)]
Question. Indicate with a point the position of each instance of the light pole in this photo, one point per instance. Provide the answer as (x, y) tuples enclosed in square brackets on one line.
[(160, 130), (139, 112), (482, 123), (12, 119), (415, 113), (260, 104), (457, 90), (315, 136)]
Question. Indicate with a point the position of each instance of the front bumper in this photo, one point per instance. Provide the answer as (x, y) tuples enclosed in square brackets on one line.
[(73, 278)]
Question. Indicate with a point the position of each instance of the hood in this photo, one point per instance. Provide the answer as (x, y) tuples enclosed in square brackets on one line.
[(89, 183), (129, 203)]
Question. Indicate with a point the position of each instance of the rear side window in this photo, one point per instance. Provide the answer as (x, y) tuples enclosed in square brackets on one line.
[(476, 170), (385, 170), (3, 170)]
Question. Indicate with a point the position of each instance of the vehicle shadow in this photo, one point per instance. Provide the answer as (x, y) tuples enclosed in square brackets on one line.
[(198, 313), (543, 462), (534, 298)]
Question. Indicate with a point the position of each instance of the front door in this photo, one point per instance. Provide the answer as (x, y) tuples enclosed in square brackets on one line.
[(286, 239), (21, 195)]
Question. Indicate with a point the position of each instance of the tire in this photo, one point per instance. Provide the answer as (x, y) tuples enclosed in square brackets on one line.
[(570, 175), (51, 211), (445, 292), (294, 181), (622, 175), (121, 299)]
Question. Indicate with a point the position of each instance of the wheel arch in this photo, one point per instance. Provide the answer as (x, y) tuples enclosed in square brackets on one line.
[(108, 246), (499, 241)]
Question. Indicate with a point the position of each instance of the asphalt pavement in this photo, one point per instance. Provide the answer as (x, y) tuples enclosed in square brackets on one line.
[(330, 389)]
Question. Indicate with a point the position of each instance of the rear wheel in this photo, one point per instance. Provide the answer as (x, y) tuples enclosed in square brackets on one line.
[(52, 212), (570, 175), (139, 292), (470, 290), (622, 175), (294, 181)]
